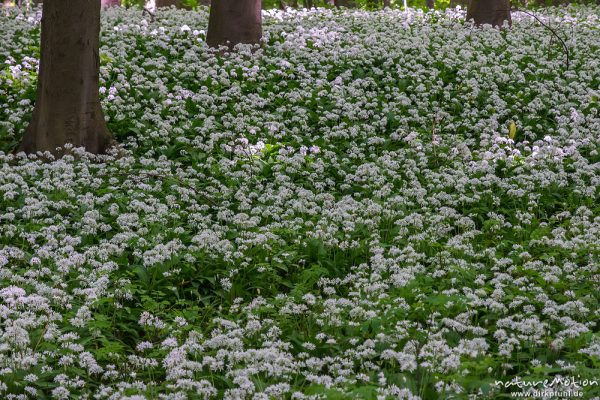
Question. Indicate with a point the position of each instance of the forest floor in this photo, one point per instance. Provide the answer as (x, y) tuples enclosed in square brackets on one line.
[(374, 205)]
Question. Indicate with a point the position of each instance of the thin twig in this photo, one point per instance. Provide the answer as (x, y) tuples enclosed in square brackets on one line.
[(562, 42), (150, 13)]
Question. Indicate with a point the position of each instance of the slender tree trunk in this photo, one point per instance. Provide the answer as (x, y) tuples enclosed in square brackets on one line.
[(431, 4), (343, 3), (386, 3), (493, 12), (67, 107), (282, 5), (234, 21), (110, 3), (294, 3)]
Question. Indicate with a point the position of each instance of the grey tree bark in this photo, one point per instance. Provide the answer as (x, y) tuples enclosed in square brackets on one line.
[(493, 12), (67, 107), (234, 21), (343, 3)]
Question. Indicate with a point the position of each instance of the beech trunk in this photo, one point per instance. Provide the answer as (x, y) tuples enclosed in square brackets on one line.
[(492, 12), (234, 21), (343, 3), (67, 107)]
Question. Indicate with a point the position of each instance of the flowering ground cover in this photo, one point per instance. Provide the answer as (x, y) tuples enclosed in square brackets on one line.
[(375, 205)]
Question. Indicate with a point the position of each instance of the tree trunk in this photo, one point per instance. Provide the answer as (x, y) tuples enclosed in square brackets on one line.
[(234, 21), (431, 4), (342, 3), (67, 107), (386, 3), (110, 3), (493, 12), (282, 5), (308, 4)]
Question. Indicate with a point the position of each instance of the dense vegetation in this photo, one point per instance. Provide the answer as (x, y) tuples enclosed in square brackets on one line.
[(374, 205)]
